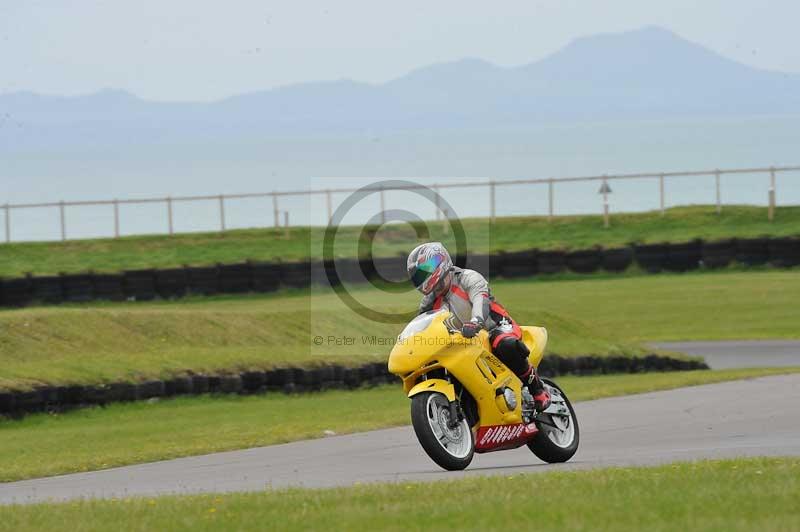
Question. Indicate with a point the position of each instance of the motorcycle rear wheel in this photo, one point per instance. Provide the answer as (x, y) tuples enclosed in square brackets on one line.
[(556, 444), (452, 448)]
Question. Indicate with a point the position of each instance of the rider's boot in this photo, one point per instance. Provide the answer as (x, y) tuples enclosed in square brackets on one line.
[(541, 397)]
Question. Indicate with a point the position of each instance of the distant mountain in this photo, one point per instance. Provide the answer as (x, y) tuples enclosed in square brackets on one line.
[(647, 73)]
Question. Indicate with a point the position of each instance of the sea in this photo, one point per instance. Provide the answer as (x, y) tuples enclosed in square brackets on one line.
[(369, 158)]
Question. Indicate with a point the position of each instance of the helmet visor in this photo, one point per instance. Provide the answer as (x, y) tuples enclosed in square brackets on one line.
[(424, 270)]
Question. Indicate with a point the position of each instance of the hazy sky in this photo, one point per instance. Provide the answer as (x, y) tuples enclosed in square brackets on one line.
[(200, 50)]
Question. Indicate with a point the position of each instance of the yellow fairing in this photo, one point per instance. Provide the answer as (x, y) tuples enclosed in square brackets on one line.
[(536, 340), (434, 385), (470, 361)]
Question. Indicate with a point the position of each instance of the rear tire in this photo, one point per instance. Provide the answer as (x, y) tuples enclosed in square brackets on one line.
[(549, 444), (451, 448)]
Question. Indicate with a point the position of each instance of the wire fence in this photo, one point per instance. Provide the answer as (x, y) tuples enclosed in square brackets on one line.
[(280, 218)]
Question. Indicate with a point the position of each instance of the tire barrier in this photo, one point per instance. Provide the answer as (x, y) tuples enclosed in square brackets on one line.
[(617, 260), (254, 381), (47, 289), (684, 257), (321, 269), (784, 252), (551, 262), (150, 389), (144, 285), (77, 288), (15, 292), (392, 269), (295, 274), (651, 257), (585, 261), (171, 283), (752, 251), (200, 384), (203, 280), (179, 386), (517, 264), (139, 285), (553, 365), (8, 402), (107, 287), (235, 278), (352, 270), (230, 384), (266, 276), (296, 380), (367, 267), (487, 265), (719, 254)]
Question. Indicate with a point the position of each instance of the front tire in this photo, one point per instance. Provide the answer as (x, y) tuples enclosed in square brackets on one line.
[(559, 435), (451, 448)]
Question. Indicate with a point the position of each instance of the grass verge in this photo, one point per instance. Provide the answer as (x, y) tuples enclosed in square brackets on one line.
[(99, 438), (514, 233), (692, 306), (102, 343), (743, 494)]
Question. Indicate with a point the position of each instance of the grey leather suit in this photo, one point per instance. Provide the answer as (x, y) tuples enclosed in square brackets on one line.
[(469, 298)]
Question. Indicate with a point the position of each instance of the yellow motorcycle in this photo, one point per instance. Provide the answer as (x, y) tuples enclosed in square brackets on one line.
[(464, 400)]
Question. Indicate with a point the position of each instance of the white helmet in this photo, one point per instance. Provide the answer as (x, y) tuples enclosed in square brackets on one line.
[(430, 268)]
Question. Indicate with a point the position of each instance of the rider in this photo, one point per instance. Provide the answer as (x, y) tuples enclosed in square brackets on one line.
[(466, 294)]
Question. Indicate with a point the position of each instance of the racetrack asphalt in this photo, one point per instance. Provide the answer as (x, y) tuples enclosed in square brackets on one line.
[(756, 417), (740, 353)]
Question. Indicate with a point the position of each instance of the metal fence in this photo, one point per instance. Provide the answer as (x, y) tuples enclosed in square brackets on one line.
[(490, 184)]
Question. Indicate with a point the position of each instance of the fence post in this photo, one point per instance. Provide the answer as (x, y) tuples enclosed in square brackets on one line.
[(286, 218), (550, 186), (719, 199), (383, 207), (275, 212), (116, 218), (661, 192), (329, 204), (491, 201), (438, 203), (8, 223), (771, 214), (63, 218), (221, 213), (605, 204), (169, 216)]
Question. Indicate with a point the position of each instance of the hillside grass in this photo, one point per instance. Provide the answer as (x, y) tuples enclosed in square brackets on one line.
[(101, 343), (669, 307), (744, 494), (514, 233), (129, 433)]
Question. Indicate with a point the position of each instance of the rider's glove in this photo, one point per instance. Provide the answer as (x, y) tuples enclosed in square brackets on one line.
[(470, 329)]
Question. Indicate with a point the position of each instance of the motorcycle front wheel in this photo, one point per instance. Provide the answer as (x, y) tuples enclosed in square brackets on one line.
[(452, 448), (559, 435)]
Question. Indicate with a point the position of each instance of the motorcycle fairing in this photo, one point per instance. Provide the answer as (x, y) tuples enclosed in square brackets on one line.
[(470, 361), (502, 437)]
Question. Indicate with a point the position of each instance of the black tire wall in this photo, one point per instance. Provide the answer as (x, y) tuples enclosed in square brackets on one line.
[(238, 278), (296, 380)]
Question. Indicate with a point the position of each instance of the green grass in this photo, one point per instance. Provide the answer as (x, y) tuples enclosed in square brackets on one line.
[(726, 495), (696, 306), (569, 232), (107, 343), (134, 341), (120, 434)]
